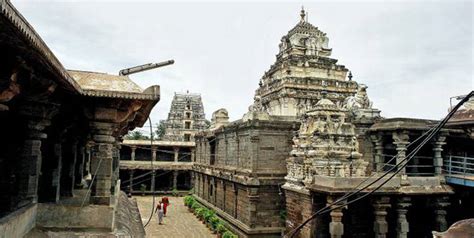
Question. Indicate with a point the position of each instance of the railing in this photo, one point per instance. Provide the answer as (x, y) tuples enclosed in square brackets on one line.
[(418, 165), (458, 165)]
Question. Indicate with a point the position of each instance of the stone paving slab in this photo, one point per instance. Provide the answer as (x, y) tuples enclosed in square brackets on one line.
[(179, 222)]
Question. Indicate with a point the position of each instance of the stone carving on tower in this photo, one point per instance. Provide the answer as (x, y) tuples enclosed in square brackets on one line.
[(256, 111), (325, 145), (360, 106), (303, 69)]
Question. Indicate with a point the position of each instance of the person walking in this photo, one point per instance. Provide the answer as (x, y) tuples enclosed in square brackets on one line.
[(160, 211), (166, 203)]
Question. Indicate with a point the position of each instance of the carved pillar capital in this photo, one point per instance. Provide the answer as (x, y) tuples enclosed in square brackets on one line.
[(378, 147), (401, 140)]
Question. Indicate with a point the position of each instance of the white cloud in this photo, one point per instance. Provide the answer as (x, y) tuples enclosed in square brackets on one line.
[(412, 55)]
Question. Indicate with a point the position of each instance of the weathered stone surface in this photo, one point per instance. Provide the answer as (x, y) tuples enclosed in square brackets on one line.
[(19, 222)]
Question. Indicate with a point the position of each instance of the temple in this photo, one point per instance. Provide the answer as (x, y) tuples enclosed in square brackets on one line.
[(171, 155), (311, 136)]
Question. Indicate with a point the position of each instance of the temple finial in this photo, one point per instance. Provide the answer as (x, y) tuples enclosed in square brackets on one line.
[(302, 14)]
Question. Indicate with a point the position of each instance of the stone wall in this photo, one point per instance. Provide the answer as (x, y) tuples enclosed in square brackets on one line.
[(19, 222), (242, 179)]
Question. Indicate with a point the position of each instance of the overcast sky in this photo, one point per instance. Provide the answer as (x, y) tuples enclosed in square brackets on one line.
[(413, 55)]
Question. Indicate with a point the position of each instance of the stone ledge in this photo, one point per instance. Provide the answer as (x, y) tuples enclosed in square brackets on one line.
[(56, 216), (397, 185), (19, 222), (146, 165)]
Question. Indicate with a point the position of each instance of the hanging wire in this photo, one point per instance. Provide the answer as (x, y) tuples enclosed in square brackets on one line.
[(153, 177)]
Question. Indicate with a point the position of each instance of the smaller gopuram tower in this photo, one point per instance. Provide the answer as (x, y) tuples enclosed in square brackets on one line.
[(185, 118), (303, 69), (326, 145)]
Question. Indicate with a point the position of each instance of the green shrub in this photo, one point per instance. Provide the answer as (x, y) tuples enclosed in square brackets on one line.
[(189, 201), (220, 228), (208, 214), (195, 205), (214, 221), (200, 212), (174, 192), (229, 234)]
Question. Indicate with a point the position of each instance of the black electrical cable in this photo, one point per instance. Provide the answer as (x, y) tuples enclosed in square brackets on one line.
[(152, 176), (329, 208)]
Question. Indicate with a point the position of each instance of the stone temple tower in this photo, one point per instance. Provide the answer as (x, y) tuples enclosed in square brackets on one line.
[(185, 118), (302, 71)]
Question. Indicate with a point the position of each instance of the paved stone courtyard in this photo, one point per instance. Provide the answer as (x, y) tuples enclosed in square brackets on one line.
[(179, 222)]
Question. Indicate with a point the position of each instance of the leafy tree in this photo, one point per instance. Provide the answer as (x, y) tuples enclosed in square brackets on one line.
[(136, 135), (160, 130)]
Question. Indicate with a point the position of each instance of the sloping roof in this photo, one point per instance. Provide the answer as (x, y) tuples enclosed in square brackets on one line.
[(98, 84), (102, 81), (13, 16)]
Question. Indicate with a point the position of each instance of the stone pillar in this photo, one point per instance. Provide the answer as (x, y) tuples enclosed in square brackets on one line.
[(101, 162), (402, 206), (253, 198), (87, 166), (132, 155), (336, 227), (130, 186), (81, 158), (175, 180), (401, 141), (48, 190), (193, 151), (380, 205), (176, 154), (153, 181), (115, 166), (69, 158), (253, 153), (440, 205), (378, 147), (153, 153), (37, 116), (437, 158), (191, 179), (56, 172)]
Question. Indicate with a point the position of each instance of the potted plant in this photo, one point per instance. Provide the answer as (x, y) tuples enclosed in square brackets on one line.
[(175, 192)]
